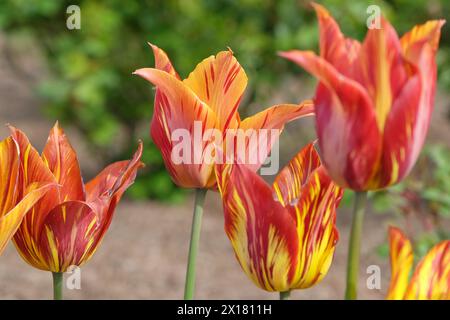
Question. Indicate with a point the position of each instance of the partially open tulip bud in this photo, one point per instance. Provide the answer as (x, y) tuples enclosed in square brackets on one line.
[(67, 225), (206, 101), (374, 100), (20, 187), (431, 277), (283, 235)]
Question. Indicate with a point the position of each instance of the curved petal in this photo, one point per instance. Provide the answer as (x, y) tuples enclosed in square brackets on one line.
[(62, 161), (431, 279), (349, 138), (263, 129), (66, 238), (12, 189), (9, 175), (162, 61), (428, 32), (401, 256), (106, 189), (32, 170), (289, 182), (398, 140), (220, 82), (411, 112), (341, 52), (11, 221), (315, 213), (381, 69), (261, 231), (178, 112)]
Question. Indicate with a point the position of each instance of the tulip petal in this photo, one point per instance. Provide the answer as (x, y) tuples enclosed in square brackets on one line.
[(33, 169), (11, 221), (349, 138), (162, 61), (401, 257), (315, 213), (106, 189), (289, 182), (66, 237), (341, 52), (431, 279), (9, 175), (12, 213), (428, 32), (265, 128), (178, 108), (62, 161), (220, 82), (261, 231), (411, 112), (399, 142), (381, 69)]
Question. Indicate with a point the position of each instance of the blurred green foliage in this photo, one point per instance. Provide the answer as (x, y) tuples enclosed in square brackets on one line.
[(91, 87)]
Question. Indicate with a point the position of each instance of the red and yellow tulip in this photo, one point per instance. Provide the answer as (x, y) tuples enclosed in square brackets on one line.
[(210, 94), (67, 225), (17, 194), (283, 235), (374, 99), (431, 277)]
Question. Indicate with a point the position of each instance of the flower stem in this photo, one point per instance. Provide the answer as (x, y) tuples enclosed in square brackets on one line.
[(284, 295), (354, 247), (57, 285), (193, 246)]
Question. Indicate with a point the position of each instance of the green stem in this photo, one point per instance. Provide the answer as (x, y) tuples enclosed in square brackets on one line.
[(193, 246), (57, 285), (284, 295), (354, 246)]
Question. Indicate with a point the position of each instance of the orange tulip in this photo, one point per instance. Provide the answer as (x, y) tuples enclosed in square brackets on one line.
[(67, 225), (211, 96), (283, 235), (374, 100), (18, 195), (431, 278)]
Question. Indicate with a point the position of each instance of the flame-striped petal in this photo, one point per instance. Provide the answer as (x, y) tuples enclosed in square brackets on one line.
[(33, 169), (106, 189), (162, 61), (401, 258), (220, 81), (62, 161), (261, 231), (431, 279), (289, 182), (411, 111), (340, 51), (66, 237), (349, 138), (261, 126), (16, 198), (284, 237), (177, 108)]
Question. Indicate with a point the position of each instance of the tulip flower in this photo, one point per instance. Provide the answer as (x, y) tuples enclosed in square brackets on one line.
[(20, 188), (374, 100), (210, 95), (207, 100), (284, 235), (431, 277), (67, 225), (373, 106)]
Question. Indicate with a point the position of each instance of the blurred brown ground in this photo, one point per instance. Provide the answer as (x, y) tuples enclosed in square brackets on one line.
[(143, 256)]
